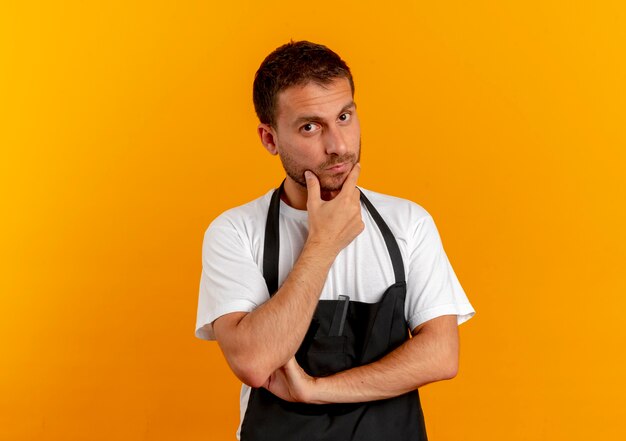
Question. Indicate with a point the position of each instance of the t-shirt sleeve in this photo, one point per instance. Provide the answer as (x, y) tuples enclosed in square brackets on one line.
[(230, 281), (433, 289)]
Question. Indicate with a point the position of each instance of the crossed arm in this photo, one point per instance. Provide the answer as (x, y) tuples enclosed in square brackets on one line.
[(259, 359), (431, 355)]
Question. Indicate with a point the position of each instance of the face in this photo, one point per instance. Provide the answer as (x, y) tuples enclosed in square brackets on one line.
[(317, 129)]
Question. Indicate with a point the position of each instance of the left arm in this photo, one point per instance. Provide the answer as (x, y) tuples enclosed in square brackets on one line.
[(431, 355)]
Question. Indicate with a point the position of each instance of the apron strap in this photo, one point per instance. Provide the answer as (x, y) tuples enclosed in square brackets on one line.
[(390, 241), (271, 247)]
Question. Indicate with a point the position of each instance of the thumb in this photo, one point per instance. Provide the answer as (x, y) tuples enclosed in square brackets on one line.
[(312, 187), (292, 367), (292, 363)]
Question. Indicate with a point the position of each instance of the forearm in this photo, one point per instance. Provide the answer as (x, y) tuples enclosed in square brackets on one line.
[(258, 343), (269, 336), (426, 358)]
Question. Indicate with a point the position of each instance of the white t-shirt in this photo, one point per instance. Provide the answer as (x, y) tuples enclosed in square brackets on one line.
[(232, 263)]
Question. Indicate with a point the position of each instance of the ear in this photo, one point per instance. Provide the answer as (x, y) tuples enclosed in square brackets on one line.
[(268, 138)]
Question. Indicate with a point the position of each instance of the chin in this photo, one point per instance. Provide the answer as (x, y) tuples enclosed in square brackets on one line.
[(331, 185)]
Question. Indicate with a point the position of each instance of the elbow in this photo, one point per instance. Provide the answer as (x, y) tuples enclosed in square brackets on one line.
[(252, 379), (250, 363), (247, 364), (249, 372), (449, 367), (449, 371), (444, 367)]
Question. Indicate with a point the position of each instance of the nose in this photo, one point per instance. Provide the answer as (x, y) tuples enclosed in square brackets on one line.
[(335, 142)]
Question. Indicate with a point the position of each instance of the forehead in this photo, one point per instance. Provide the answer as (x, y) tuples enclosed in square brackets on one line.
[(315, 99)]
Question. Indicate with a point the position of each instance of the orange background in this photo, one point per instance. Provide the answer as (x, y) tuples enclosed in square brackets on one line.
[(126, 127)]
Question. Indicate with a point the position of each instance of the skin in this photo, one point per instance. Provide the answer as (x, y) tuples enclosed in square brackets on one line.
[(317, 128), (317, 137)]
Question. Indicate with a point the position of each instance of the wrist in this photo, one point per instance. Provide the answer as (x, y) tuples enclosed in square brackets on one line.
[(317, 391), (320, 249)]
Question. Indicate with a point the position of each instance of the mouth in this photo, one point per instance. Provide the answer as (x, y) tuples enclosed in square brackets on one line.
[(339, 168)]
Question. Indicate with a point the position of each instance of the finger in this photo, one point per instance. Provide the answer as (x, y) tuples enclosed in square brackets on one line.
[(312, 187), (350, 183), (291, 364)]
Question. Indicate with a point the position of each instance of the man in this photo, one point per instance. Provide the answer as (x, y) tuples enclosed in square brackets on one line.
[(312, 289)]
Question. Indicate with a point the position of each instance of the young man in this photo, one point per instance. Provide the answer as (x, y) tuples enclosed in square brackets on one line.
[(312, 289)]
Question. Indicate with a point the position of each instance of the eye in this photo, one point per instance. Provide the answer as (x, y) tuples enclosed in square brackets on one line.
[(309, 127), (345, 117)]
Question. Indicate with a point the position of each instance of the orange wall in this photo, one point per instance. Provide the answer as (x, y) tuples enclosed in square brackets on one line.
[(126, 127)]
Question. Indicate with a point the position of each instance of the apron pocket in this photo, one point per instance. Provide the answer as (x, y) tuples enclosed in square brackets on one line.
[(327, 355), (332, 344)]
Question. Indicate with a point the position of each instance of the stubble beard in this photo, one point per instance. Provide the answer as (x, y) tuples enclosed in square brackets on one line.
[(296, 173)]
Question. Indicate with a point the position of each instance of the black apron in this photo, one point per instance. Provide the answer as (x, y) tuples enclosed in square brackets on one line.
[(343, 334)]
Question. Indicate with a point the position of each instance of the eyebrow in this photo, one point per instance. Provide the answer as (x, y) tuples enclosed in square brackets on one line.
[(316, 118)]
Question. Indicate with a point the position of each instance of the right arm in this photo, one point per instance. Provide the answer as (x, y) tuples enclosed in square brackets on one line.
[(255, 344)]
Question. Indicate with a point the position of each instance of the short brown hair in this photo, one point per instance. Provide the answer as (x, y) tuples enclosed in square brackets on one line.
[(294, 63)]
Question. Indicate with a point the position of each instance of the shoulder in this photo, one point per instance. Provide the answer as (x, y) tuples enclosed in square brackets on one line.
[(250, 211), (244, 220)]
